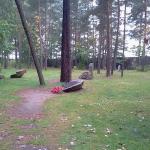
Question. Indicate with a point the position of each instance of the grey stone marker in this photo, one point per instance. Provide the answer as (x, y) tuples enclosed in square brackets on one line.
[(91, 68), (1, 77)]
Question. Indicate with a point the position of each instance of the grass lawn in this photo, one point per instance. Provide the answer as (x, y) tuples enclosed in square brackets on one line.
[(108, 114)]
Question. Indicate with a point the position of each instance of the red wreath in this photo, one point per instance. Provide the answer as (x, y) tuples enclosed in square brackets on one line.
[(57, 89)]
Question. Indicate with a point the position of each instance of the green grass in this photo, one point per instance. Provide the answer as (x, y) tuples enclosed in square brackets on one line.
[(117, 104), (8, 98), (30, 80), (120, 105)]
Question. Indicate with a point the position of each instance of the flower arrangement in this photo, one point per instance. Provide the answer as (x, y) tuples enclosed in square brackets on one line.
[(57, 89)]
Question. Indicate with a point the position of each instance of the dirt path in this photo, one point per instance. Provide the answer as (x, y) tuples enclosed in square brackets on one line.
[(32, 102), (30, 107)]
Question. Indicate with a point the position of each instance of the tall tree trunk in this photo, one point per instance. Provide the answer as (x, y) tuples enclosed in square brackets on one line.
[(117, 40), (46, 35), (99, 51), (93, 44), (5, 60), (108, 46), (50, 26), (140, 41), (145, 38), (40, 34), (99, 54), (76, 46), (76, 32), (2, 59), (20, 41), (25, 26), (16, 52), (103, 63), (124, 39), (66, 51)]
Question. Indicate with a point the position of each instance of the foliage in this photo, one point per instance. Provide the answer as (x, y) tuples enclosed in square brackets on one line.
[(6, 30), (88, 22), (82, 57)]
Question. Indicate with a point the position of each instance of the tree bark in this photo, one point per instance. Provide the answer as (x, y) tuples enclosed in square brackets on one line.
[(99, 55), (124, 40), (16, 52), (145, 32), (116, 42), (99, 52), (76, 33), (46, 35), (40, 35), (103, 62), (29, 38), (20, 42), (5, 60), (140, 41), (66, 51), (108, 56)]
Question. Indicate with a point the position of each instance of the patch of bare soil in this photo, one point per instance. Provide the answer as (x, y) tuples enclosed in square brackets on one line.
[(30, 107), (32, 102)]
